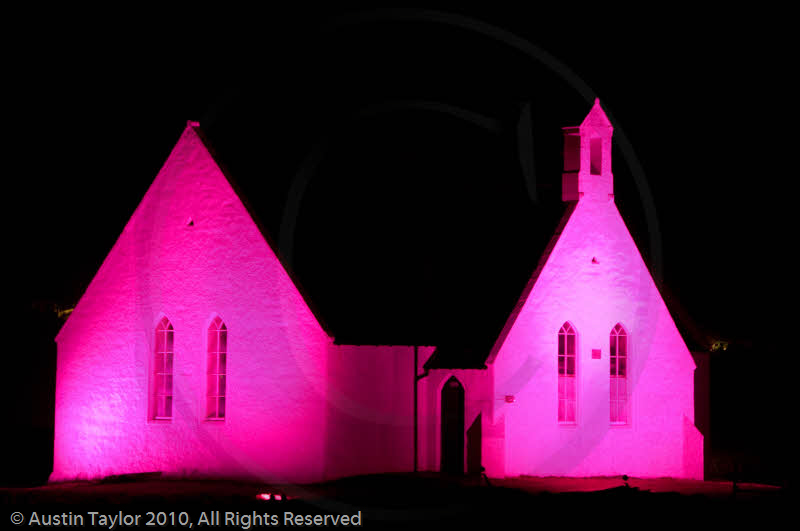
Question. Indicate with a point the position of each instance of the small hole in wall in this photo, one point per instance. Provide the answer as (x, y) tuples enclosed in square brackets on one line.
[(594, 260), (190, 222)]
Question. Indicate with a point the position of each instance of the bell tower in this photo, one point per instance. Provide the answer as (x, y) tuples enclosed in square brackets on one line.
[(587, 159)]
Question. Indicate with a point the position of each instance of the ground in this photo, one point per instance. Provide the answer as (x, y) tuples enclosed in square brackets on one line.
[(402, 501)]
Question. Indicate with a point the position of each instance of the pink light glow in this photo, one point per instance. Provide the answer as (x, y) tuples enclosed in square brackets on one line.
[(265, 496), (298, 408), (595, 278), (220, 267)]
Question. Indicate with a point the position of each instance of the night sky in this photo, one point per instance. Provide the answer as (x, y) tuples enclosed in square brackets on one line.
[(407, 164)]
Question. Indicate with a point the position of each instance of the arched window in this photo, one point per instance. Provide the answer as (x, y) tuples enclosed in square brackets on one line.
[(567, 361), (162, 371), (215, 370), (619, 375)]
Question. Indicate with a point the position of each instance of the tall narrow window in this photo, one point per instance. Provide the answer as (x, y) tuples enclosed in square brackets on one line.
[(216, 363), (619, 375), (162, 371), (596, 156), (566, 374)]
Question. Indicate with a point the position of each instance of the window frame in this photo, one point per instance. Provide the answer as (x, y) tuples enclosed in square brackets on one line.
[(163, 370), (619, 402), (216, 387), (567, 331)]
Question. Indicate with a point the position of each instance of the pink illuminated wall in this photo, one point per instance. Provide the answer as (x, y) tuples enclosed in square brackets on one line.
[(162, 265), (594, 277), (300, 408), (478, 400), (371, 415)]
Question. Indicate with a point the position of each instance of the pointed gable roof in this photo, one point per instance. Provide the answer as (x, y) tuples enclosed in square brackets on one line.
[(595, 123), (512, 318), (251, 211), (193, 148)]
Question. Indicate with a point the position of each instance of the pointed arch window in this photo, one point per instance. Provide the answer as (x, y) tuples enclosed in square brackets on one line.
[(216, 370), (619, 375), (162, 370), (567, 365)]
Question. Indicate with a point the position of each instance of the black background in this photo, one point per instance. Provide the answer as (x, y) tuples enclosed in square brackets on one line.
[(381, 150)]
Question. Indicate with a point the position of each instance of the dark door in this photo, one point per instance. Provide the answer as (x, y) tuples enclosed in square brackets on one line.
[(452, 427)]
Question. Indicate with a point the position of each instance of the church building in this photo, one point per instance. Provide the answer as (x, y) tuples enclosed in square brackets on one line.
[(193, 353)]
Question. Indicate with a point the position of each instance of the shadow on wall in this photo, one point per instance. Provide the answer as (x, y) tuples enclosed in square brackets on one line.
[(474, 466), (702, 404)]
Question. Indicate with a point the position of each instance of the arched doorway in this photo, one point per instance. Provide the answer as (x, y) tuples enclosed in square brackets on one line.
[(452, 454)]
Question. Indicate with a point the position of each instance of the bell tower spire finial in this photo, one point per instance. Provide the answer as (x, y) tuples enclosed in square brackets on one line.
[(587, 158)]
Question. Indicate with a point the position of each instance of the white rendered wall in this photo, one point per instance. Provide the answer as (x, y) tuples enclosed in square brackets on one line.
[(160, 266), (371, 409), (660, 438)]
